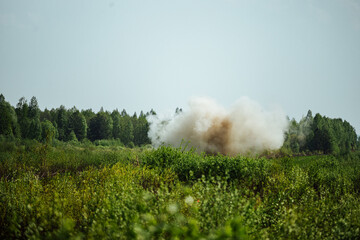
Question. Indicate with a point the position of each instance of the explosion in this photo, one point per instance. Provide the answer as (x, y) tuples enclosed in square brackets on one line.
[(245, 128)]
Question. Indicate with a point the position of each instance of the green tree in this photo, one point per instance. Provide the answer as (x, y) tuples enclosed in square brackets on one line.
[(101, 126), (124, 113), (127, 128), (77, 124), (35, 129), (88, 114), (22, 111), (62, 122), (116, 117), (331, 136), (8, 119), (72, 137), (351, 139), (321, 140), (34, 116), (48, 132), (136, 129), (46, 115), (34, 110), (142, 129)]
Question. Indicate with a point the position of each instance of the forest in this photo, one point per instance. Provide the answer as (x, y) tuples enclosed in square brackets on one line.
[(26, 121), (77, 174)]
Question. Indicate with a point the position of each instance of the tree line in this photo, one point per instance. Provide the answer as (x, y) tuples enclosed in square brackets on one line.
[(321, 134), (27, 121)]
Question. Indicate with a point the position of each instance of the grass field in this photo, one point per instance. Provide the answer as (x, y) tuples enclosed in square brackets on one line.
[(107, 192)]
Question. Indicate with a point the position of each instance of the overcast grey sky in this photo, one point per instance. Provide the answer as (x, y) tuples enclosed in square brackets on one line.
[(140, 55)]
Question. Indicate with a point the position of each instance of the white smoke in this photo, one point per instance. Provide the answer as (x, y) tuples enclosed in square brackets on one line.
[(207, 126)]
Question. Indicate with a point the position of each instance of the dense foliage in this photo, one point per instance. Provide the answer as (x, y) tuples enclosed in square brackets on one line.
[(321, 134), (83, 191), (27, 121)]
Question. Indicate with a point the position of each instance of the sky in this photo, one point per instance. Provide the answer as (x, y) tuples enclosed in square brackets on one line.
[(148, 54)]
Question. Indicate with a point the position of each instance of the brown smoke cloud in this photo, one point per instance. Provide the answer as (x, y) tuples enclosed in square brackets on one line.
[(245, 128)]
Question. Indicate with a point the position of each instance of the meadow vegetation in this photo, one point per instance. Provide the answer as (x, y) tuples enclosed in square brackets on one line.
[(70, 174), (104, 191)]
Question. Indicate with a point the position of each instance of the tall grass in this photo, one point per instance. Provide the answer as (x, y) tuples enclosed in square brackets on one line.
[(107, 192)]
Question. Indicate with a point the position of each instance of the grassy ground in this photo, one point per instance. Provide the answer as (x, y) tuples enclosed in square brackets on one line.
[(109, 192)]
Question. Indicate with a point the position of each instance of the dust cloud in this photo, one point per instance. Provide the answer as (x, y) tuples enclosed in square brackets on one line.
[(244, 128)]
